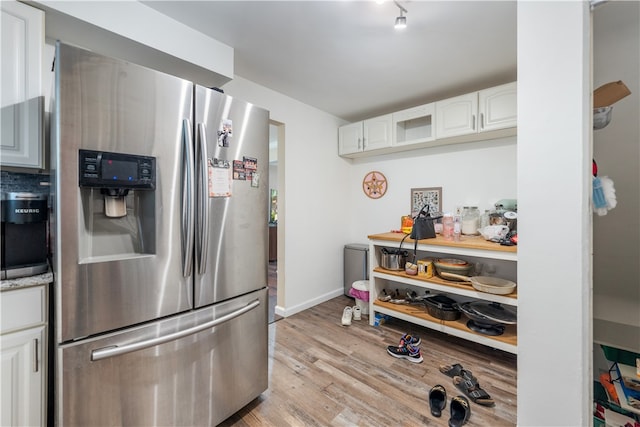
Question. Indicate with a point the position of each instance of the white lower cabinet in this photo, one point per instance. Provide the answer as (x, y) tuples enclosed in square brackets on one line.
[(23, 342), (23, 378), (501, 260)]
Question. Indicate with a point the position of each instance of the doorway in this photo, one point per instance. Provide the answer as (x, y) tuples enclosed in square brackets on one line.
[(276, 221)]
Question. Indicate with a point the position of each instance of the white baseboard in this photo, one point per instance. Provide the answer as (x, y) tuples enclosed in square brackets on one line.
[(289, 311)]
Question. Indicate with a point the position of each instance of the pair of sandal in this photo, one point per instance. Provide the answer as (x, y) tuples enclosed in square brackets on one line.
[(465, 381), (460, 410)]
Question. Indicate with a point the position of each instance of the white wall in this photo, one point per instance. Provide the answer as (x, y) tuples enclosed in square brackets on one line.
[(554, 269), (315, 202), (471, 174)]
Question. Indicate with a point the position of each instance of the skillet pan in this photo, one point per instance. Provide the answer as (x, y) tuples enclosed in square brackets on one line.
[(488, 284)]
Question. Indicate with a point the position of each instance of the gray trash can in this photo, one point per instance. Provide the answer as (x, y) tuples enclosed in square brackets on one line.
[(356, 264)]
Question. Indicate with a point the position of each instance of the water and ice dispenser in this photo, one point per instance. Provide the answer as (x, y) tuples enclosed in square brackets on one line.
[(118, 215)]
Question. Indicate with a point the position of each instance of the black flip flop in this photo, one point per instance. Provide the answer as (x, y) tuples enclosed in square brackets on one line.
[(437, 400), (460, 411)]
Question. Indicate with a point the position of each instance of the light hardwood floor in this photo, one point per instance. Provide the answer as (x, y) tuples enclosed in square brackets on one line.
[(324, 374)]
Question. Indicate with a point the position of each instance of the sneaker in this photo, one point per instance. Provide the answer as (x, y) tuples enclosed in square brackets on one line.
[(357, 313), (409, 352), (410, 339), (346, 316)]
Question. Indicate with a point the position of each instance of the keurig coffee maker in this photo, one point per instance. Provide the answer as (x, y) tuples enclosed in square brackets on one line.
[(24, 234)]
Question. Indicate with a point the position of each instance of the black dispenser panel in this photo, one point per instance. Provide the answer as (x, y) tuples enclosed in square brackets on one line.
[(116, 170)]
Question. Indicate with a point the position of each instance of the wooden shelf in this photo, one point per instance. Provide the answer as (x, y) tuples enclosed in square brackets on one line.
[(419, 315), (460, 288), (468, 245)]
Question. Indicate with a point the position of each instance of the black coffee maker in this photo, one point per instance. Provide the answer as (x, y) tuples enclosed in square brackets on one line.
[(24, 234)]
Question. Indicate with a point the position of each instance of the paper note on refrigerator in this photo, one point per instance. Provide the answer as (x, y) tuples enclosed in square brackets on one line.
[(219, 179)]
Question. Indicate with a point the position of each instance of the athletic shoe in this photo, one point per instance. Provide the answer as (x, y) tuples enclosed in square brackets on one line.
[(346, 316), (409, 352), (410, 339)]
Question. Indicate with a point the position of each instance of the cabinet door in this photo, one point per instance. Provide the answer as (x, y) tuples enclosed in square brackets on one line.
[(498, 107), (377, 132), (350, 138), (22, 106), (22, 372), (457, 116)]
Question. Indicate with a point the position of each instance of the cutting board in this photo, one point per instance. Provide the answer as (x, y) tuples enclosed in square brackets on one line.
[(609, 94)]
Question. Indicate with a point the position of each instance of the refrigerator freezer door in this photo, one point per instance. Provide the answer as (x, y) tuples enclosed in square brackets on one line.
[(232, 260), (116, 272), (188, 378)]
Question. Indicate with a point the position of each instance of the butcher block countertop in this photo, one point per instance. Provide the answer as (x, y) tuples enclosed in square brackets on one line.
[(468, 242), (25, 282)]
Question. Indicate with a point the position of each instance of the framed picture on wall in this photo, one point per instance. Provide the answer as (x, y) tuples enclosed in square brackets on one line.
[(422, 196)]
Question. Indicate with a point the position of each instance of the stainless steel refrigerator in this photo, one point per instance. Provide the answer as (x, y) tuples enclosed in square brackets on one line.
[(159, 244)]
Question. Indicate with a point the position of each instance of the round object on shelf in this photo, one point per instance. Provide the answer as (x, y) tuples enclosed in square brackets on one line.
[(484, 329), (452, 265), (495, 312)]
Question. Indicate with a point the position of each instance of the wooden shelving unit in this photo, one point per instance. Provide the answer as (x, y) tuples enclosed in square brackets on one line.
[(469, 246)]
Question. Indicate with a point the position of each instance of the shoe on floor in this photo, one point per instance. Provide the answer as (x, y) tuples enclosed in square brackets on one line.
[(410, 339), (409, 352), (346, 316), (460, 411), (357, 313), (437, 400)]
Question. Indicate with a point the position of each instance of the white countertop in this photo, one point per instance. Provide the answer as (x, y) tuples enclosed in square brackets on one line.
[(24, 282)]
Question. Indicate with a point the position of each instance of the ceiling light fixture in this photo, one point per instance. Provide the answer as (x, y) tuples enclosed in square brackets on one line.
[(401, 21)]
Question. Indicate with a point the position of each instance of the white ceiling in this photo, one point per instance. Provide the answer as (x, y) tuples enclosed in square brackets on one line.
[(345, 57)]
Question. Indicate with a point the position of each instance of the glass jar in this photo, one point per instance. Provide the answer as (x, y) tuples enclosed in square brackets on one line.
[(470, 220), (406, 224), (447, 226), (484, 219)]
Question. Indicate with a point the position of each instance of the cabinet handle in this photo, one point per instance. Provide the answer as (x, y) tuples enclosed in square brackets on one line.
[(363, 142), (35, 355), (473, 124), (359, 141), (481, 120)]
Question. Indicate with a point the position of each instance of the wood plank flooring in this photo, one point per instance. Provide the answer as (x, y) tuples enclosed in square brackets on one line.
[(324, 374)]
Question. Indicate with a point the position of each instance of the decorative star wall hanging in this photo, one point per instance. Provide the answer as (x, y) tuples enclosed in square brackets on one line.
[(374, 184)]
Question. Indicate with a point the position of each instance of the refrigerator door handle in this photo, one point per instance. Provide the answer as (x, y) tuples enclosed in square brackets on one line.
[(115, 350), (187, 199), (203, 199)]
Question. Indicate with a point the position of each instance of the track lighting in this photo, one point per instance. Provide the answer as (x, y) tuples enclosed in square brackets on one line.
[(401, 21)]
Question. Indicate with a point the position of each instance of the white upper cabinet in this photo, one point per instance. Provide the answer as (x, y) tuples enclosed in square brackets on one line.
[(457, 116), (414, 125), (486, 114), (498, 107), (490, 109), (377, 132), (350, 138), (368, 135), (22, 102)]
